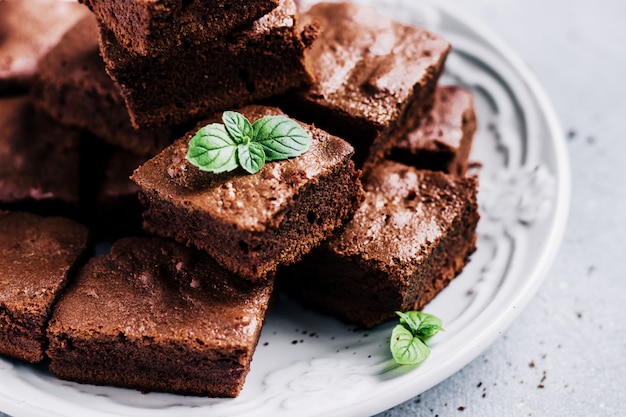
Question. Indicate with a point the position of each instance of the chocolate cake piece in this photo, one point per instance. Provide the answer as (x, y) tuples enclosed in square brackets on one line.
[(411, 236), (158, 316), (444, 138), (74, 88), (39, 160), (28, 30), (251, 224), (189, 83), (36, 256), (375, 77), (155, 28)]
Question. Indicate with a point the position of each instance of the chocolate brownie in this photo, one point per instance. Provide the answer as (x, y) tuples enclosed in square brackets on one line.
[(375, 77), (251, 224), (411, 236), (28, 30), (36, 256), (39, 160), (73, 87), (444, 138), (158, 316), (190, 83), (148, 27)]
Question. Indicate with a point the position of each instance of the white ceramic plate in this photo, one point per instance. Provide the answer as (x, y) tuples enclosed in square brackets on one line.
[(310, 365)]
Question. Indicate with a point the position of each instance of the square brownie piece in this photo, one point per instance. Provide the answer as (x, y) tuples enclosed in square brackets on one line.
[(189, 83), (375, 77), (39, 160), (157, 316), (37, 255), (251, 224), (443, 140), (411, 236), (28, 30), (149, 27), (73, 87)]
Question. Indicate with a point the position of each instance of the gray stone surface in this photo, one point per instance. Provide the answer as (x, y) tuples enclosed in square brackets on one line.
[(566, 353)]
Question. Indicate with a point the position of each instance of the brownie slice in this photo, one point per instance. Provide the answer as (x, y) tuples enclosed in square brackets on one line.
[(73, 87), (149, 27), (36, 257), (39, 160), (251, 224), (375, 77), (28, 30), (444, 138), (158, 316), (190, 83), (411, 236)]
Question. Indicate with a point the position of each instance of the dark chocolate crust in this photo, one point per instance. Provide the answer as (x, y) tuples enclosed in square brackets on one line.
[(155, 28), (251, 224), (73, 87), (191, 83), (36, 256), (39, 161), (411, 236), (375, 77), (28, 30), (443, 140), (158, 316)]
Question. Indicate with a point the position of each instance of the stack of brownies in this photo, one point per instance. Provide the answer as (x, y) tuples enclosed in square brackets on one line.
[(377, 216)]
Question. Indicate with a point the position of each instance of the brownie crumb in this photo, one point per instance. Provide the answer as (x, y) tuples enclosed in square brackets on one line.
[(461, 408)]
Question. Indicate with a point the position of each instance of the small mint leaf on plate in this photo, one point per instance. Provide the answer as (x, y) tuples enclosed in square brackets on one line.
[(280, 137), (407, 349)]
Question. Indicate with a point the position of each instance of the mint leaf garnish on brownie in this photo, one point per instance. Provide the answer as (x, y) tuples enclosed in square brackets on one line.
[(408, 339), (224, 147)]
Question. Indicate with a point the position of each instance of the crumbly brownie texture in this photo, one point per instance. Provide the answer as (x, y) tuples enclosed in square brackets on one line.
[(158, 316), (36, 256), (251, 224), (444, 138), (191, 83), (155, 28), (411, 236), (39, 160), (111, 198), (74, 88), (28, 30), (375, 77)]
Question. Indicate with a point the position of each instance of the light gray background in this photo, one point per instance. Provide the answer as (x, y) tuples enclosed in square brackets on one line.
[(566, 353)]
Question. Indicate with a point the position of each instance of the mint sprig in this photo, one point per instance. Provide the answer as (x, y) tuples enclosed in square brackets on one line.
[(238, 143), (408, 339)]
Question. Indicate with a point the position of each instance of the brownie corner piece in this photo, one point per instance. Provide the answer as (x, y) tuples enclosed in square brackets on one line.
[(375, 78), (36, 256), (151, 28), (443, 140), (252, 224), (155, 315), (188, 84), (410, 237)]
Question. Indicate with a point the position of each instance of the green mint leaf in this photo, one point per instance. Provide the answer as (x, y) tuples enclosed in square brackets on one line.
[(212, 149), (238, 127), (251, 157), (408, 339), (280, 137), (407, 349)]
